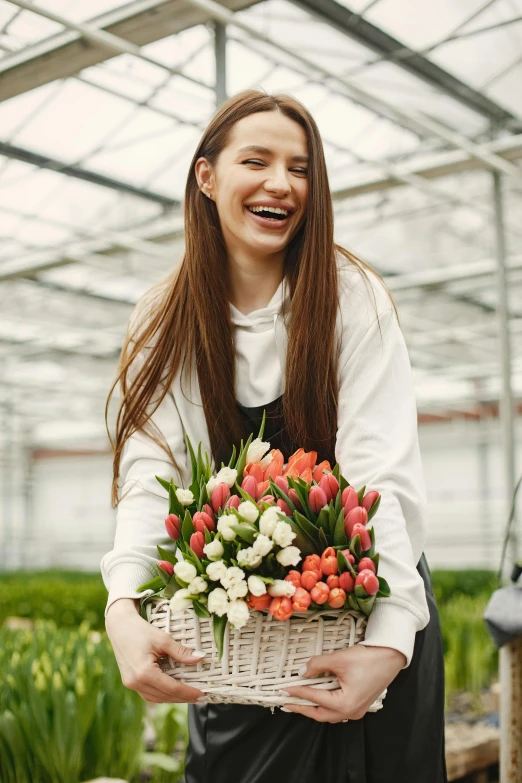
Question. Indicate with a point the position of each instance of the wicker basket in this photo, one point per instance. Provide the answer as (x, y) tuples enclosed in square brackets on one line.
[(262, 658)]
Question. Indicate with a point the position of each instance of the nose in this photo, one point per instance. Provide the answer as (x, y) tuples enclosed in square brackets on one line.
[(277, 181)]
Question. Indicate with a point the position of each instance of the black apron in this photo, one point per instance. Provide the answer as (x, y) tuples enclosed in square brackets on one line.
[(402, 743)]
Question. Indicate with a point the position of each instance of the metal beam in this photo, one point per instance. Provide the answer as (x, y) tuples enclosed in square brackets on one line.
[(220, 56), (362, 31), (138, 23), (78, 172)]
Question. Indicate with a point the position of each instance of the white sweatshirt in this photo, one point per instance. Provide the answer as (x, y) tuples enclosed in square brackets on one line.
[(377, 446)]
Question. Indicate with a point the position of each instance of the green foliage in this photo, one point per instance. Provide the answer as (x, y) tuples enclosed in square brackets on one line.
[(66, 597), (64, 714), (447, 585), (169, 722)]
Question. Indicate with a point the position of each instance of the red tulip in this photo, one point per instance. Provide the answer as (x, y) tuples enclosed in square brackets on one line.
[(281, 608), (267, 499), (259, 602), (362, 532), (317, 499), (318, 470), (312, 563), (333, 581), (347, 582), (370, 499), (320, 593), (173, 526), (309, 579), (219, 496), (249, 485), (329, 563), (233, 502), (357, 516), (207, 508), (292, 494), (294, 577), (349, 499), (348, 555), (337, 598), (301, 600), (330, 486), (366, 563), (283, 505), (166, 566), (206, 519), (197, 542), (369, 581), (282, 483)]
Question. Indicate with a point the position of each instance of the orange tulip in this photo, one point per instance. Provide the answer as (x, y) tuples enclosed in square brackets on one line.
[(347, 582), (337, 598), (294, 577), (254, 469), (330, 486), (307, 476), (329, 563), (281, 608), (349, 499), (276, 466), (312, 563), (301, 600), (309, 579), (333, 581), (262, 488), (259, 602), (295, 456), (318, 470), (320, 593), (357, 516)]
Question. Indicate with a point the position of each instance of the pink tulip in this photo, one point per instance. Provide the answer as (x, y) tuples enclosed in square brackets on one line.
[(330, 486), (309, 579), (329, 563), (347, 582), (281, 608), (337, 598), (348, 555), (282, 483), (233, 502), (320, 593), (357, 516), (362, 532), (283, 505), (262, 488), (294, 497), (249, 485), (368, 581), (207, 508), (167, 567), (301, 600), (317, 499), (267, 499), (173, 526), (370, 499), (294, 577), (349, 499), (366, 563), (197, 542), (219, 496), (202, 516)]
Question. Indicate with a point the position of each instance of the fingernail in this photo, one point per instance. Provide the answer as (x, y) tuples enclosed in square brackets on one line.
[(302, 670), (202, 700), (284, 693), (283, 709), (198, 654)]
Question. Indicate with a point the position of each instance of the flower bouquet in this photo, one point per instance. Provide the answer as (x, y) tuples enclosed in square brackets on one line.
[(270, 564)]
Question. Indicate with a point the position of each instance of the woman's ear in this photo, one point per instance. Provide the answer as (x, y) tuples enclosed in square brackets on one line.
[(204, 177)]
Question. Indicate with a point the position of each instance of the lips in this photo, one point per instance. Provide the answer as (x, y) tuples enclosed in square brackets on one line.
[(273, 223)]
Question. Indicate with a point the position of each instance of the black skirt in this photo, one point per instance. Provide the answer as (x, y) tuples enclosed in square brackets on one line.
[(402, 743)]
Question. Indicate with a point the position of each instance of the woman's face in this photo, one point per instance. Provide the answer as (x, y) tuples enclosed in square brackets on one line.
[(259, 184)]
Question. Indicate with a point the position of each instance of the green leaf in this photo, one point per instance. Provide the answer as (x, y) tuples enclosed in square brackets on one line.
[(165, 578), (171, 588), (193, 461), (360, 494), (371, 550), (208, 536), (165, 554), (302, 541), (187, 527), (332, 518), (339, 536), (311, 530), (262, 427), (161, 760), (343, 483), (200, 609), (198, 563), (175, 506), (165, 484), (153, 584), (323, 541), (336, 471), (360, 592), (375, 560), (200, 463), (353, 602), (245, 532), (366, 604), (384, 588), (303, 498), (374, 508), (241, 463), (355, 547), (233, 457), (278, 493), (338, 501), (323, 520), (219, 627)]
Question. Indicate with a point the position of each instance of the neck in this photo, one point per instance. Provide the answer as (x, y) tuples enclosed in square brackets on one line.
[(254, 281)]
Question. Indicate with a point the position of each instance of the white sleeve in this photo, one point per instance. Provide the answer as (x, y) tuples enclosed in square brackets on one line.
[(377, 446), (143, 505)]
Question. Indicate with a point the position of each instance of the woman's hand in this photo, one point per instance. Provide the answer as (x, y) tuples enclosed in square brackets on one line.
[(363, 674), (137, 646)]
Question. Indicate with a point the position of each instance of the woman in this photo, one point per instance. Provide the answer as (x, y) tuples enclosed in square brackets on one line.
[(264, 302)]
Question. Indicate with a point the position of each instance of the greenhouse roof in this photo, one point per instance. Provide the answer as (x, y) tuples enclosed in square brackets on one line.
[(101, 108)]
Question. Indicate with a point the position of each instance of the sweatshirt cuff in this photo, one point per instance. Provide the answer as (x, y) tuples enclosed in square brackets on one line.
[(392, 626), (124, 579)]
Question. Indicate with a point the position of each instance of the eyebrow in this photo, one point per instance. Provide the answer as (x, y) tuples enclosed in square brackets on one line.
[(266, 151)]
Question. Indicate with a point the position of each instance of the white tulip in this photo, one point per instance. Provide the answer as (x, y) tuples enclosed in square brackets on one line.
[(289, 556), (216, 570), (281, 588), (180, 601), (262, 545), (227, 476), (218, 601), (224, 526), (211, 485), (184, 496), (256, 450), (265, 462), (256, 585), (237, 591), (248, 511), (283, 534), (232, 577), (248, 558), (185, 570), (198, 585), (269, 520), (238, 613), (214, 550)]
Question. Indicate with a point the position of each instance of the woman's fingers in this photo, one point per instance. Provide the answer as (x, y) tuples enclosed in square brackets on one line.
[(332, 700), (170, 687)]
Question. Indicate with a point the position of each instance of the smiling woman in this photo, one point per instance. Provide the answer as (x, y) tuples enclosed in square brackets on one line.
[(266, 313)]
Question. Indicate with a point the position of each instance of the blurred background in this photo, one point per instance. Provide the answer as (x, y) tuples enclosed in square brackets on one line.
[(101, 107)]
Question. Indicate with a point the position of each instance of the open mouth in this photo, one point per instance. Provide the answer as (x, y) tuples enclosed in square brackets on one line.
[(270, 213)]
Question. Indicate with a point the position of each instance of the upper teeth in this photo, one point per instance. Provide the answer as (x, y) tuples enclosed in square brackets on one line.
[(277, 210)]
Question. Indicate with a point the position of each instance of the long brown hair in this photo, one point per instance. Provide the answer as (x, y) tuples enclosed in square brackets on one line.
[(187, 317)]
